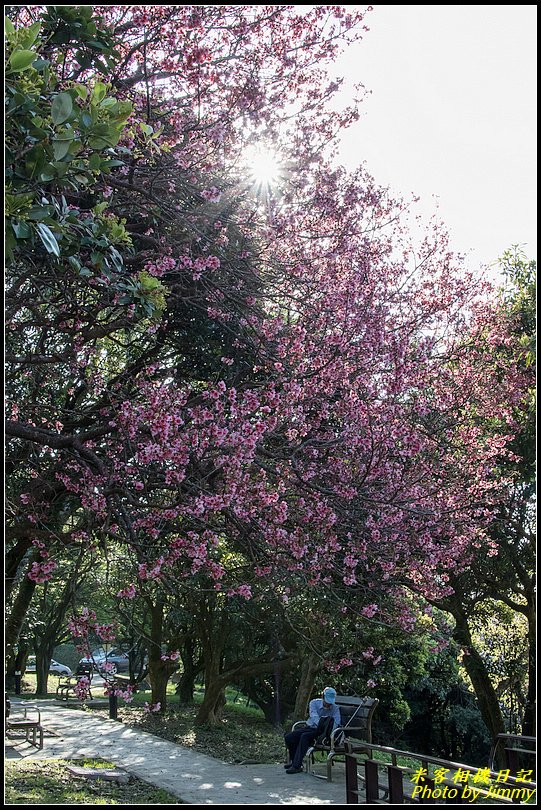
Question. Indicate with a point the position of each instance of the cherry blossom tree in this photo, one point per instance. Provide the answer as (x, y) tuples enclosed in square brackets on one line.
[(91, 188), (236, 388), (505, 570)]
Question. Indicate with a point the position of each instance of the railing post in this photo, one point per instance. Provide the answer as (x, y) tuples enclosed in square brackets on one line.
[(428, 785), (352, 782), (113, 707), (512, 760), (396, 786), (372, 787)]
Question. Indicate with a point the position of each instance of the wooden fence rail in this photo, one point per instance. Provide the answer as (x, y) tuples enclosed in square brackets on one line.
[(431, 780)]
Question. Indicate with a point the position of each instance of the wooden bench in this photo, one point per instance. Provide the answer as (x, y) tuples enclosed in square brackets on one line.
[(67, 686), (356, 726), (30, 725)]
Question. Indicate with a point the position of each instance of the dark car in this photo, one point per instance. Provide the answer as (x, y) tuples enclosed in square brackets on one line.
[(108, 663)]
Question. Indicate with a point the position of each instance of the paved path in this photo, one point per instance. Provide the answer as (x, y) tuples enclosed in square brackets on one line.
[(192, 777)]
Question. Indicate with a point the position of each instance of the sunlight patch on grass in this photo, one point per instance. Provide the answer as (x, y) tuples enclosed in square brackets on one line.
[(49, 782)]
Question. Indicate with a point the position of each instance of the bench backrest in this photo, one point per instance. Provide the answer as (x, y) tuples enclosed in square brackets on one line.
[(358, 712), (84, 669)]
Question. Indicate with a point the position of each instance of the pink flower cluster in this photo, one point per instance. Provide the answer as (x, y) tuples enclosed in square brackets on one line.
[(124, 692), (127, 593), (152, 707), (161, 266), (211, 194), (42, 571), (170, 656)]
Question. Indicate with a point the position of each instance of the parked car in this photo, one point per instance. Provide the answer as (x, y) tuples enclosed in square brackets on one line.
[(111, 662), (55, 667)]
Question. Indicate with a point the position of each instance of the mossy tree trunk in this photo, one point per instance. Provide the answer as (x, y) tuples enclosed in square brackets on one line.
[(310, 667)]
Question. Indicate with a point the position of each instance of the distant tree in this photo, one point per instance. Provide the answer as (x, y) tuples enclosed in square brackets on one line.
[(504, 570)]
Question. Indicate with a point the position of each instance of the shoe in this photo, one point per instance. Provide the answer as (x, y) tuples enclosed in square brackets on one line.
[(288, 765), (294, 770)]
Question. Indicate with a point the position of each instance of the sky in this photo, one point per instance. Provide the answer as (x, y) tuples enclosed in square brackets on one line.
[(452, 118)]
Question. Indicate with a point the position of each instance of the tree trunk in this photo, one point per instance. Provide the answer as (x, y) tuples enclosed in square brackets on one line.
[(309, 669), (484, 691), (274, 697), (44, 654), (210, 711), (528, 721), (16, 664), (15, 621), (14, 558), (190, 670), (212, 625), (159, 672)]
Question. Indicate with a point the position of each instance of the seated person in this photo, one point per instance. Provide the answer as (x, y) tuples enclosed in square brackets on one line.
[(299, 741)]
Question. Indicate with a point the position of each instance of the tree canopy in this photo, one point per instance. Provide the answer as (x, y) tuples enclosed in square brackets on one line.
[(240, 392)]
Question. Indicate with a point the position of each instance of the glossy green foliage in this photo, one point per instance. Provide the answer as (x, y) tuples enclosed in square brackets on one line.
[(63, 128)]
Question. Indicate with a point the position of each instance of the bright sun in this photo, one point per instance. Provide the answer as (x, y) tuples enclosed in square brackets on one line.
[(264, 167)]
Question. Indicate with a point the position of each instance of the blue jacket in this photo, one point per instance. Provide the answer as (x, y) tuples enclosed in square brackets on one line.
[(317, 711)]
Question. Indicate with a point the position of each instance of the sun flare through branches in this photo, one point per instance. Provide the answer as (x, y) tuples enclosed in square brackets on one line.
[(265, 172)]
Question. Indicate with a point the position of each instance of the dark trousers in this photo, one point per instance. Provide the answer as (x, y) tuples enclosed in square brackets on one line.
[(298, 742)]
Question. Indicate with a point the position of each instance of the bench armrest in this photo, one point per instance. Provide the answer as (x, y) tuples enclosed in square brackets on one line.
[(28, 716), (299, 724), (338, 732)]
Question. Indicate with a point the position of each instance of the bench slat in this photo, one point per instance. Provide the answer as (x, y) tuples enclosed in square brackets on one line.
[(349, 700)]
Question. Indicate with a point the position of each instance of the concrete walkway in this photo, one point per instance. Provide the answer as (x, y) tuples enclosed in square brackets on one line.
[(192, 777)]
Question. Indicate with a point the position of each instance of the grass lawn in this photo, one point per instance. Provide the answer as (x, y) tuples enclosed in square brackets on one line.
[(49, 782), (244, 735)]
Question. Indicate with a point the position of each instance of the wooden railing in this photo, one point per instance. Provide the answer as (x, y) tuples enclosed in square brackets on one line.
[(428, 783), (518, 751)]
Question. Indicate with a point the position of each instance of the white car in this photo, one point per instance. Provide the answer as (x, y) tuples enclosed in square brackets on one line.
[(55, 667)]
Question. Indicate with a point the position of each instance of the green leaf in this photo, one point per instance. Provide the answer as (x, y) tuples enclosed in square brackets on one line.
[(102, 67), (94, 161), (108, 102), (100, 143), (31, 35), (40, 212), (61, 108), (21, 60), (61, 168), (8, 26), (85, 120), (109, 164), (93, 43), (98, 93), (40, 64), (21, 230), (47, 173), (61, 147), (48, 238), (38, 134)]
